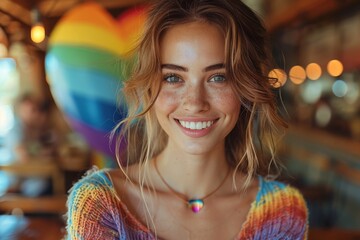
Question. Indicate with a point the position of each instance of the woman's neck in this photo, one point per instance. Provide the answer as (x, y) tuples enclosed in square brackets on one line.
[(192, 175)]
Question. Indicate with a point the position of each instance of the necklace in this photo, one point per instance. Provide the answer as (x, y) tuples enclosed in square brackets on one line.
[(195, 204)]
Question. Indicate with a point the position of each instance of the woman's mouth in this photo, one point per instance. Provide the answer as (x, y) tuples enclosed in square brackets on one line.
[(196, 125)]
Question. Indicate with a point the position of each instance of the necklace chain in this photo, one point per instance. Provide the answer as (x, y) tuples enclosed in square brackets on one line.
[(194, 204)]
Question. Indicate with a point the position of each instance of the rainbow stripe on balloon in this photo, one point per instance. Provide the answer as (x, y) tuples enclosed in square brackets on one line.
[(87, 52)]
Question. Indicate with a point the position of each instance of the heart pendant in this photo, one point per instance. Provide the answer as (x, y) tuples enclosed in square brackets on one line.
[(196, 205)]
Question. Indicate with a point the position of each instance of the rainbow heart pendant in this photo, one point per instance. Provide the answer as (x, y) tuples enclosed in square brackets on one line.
[(196, 205)]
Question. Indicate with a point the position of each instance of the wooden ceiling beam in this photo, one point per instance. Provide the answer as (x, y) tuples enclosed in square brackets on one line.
[(16, 11), (55, 8), (302, 11)]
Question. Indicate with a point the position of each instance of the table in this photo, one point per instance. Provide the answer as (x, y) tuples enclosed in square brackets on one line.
[(31, 228), (41, 168)]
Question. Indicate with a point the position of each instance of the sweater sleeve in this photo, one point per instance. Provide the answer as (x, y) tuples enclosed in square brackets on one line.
[(89, 215), (296, 211), (279, 212)]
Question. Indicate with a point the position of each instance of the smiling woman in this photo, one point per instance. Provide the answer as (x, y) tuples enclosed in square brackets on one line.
[(195, 91), (200, 130)]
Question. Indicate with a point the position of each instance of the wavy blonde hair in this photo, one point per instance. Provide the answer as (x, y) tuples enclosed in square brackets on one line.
[(251, 144)]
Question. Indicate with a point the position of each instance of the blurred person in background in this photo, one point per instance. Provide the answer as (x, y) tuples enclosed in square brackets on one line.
[(36, 138), (31, 138)]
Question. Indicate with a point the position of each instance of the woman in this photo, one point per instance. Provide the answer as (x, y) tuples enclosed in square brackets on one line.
[(200, 130)]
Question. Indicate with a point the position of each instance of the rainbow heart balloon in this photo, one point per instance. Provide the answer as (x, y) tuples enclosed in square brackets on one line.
[(87, 52)]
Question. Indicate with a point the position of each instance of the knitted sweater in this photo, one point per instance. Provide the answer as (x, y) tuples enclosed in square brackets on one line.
[(96, 212)]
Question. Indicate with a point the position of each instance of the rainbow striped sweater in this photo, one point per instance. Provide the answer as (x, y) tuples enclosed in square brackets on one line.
[(96, 212)]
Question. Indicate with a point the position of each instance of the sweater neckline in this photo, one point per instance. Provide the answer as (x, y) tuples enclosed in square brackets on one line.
[(145, 229)]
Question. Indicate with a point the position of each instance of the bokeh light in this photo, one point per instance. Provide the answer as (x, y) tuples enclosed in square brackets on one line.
[(9, 79), (311, 91), (6, 119), (297, 74), (340, 88), (323, 115), (335, 68), (37, 33), (280, 77), (6, 66), (353, 93), (313, 71)]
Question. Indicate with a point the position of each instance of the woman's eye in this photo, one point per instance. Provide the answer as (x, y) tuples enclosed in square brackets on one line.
[(172, 78), (217, 78)]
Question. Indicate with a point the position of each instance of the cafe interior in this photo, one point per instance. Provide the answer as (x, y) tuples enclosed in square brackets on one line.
[(60, 83)]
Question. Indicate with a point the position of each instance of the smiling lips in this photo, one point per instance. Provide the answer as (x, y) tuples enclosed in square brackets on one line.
[(196, 125)]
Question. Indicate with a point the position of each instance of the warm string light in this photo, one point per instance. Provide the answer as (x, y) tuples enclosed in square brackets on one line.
[(37, 33), (313, 71), (297, 74), (278, 77), (335, 68)]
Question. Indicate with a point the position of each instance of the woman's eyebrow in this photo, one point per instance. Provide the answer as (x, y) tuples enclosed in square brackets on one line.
[(214, 67), (174, 67), (184, 69)]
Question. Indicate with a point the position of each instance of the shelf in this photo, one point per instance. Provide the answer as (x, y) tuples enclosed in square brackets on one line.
[(320, 141), (39, 168), (33, 227), (55, 204)]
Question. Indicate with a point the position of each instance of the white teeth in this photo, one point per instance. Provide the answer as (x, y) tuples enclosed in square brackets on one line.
[(196, 125)]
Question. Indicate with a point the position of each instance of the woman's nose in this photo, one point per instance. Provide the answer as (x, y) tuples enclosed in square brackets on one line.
[(195, 99)]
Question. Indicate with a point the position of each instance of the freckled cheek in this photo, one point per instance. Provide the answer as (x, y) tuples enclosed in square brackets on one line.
[(167, 101), (227, 101)]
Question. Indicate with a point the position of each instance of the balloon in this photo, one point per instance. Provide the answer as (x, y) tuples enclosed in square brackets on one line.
[(102, 161), (87, 51)]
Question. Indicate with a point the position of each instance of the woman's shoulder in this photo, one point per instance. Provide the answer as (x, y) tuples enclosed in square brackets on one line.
[(270, 189), (279, 212), (95, 183), (93, 204), (94, 177), (272, 192), (280, 198)]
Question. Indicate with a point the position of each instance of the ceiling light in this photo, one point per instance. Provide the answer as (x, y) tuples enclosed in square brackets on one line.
[(37, 33)]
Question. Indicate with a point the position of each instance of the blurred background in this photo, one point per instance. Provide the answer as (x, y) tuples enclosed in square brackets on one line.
[(62, 64)]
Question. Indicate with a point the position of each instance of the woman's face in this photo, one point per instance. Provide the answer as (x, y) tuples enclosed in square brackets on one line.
[(196, 106)]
